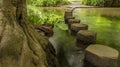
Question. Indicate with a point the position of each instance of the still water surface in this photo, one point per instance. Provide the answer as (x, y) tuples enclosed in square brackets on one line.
[(105, 21)]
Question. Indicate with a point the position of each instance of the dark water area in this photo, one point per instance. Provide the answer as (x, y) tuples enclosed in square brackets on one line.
[(67, 52), (104, 21)]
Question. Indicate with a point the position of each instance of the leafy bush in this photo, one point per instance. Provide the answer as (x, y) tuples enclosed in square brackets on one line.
[(107, 3), (93, 2), (40, 17), (47, 2)]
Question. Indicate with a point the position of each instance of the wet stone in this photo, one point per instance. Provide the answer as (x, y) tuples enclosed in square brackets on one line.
[(75, 27), (46, 28), (67, 18), (71, 21), (69, 13), (86, 37), (101, 56), (69, 9)]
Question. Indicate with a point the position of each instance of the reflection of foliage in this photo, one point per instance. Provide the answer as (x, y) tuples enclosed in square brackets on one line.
[(62, 26), (37, 16), (104, 23), (111, 17), (108, 3), (93, 2), (47, 2)]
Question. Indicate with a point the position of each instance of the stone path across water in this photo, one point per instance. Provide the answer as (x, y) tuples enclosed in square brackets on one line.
[(97, 59), (78, 6)]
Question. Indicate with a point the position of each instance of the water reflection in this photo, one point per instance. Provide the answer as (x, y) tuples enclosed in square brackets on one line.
[(67, 53), (105, 21)]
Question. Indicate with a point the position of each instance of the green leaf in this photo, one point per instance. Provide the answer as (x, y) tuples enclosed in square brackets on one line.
[(62, 26)]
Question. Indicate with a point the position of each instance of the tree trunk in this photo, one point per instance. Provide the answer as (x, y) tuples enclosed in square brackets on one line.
[(20, 44)]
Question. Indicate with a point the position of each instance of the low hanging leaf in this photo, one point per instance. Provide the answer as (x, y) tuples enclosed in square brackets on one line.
[(62, 26)]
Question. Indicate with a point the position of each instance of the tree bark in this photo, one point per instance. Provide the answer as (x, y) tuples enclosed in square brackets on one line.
[(20, 44)]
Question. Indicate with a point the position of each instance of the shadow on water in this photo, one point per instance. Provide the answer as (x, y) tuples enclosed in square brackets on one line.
[(67, 52), (61, 40)]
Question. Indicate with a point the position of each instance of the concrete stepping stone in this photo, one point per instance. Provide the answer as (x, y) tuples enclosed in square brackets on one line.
[(68, 13), (71, 21), (101, 56), (67, 18), (46, 28), (75, 27), (86, 37)]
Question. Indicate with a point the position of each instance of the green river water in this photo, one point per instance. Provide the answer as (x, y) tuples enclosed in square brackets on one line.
[(104, 21)]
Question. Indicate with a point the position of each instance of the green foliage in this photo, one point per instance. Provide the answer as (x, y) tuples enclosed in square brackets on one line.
[(93, 2), (107, 3), (37, 16), (62, 26), (41, 16), (47, 2)]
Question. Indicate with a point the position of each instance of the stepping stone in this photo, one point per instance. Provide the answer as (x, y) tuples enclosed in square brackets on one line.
[(68, 13), (75, 27), (67, 18), (86, 37), (101, 56), (70, 9), (46, 28), (71, 21)]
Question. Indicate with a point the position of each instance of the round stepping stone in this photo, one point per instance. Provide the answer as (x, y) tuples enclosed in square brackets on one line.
[(75, 27), (69, 9), (67, 18), (68, 13), (71, 21), (86, 37), (101, 56), (46, 28)]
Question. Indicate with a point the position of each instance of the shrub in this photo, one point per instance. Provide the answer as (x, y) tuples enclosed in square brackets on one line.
[(47, 2), (93, 2), (40, 17), (106, 3)]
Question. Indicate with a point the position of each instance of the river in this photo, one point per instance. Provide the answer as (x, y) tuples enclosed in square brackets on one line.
[(104, 21)]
